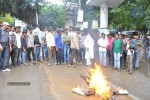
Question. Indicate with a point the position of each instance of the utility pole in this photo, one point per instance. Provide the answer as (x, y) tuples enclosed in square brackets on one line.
[(80, 15), (79, 2), (37, 12)]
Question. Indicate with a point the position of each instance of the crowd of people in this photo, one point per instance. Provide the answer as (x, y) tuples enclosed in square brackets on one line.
[(70, 46)]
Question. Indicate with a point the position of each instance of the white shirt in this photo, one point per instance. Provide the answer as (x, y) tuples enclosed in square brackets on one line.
[(104, 43), (50, 39), (71, 34), (129, 51), (18, 40), (31, 40)]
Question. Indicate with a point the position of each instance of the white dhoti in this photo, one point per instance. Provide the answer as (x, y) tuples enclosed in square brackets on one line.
[(89, 53)]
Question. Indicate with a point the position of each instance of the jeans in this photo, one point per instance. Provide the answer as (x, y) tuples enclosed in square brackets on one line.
[(45, 51), (37, 53), (59, 55), (136, 59), (24, 56), (4, 56), (117, 60), (66, 53), (102, 57), (29, 51)]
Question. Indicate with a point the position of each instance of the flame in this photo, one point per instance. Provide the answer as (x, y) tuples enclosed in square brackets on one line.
[(98, 82)]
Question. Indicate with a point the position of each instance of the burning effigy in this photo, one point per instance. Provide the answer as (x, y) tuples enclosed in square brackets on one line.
[(97, 84)]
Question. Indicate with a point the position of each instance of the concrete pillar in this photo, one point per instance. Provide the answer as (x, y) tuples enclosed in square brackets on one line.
[(104, 15)]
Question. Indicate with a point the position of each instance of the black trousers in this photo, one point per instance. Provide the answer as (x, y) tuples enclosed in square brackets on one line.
[(123, 59), (29, 51), (14, 55)]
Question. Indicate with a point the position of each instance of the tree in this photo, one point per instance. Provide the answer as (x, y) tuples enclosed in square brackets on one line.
[(122, 15), (22, 9), (52, 15), (6, 18)]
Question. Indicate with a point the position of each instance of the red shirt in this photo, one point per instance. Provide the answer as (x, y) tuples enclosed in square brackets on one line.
[(110, 43)]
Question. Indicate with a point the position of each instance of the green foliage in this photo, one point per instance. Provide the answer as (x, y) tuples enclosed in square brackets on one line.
[(53, 15), (6, 18), (22, 9), (122, 15)]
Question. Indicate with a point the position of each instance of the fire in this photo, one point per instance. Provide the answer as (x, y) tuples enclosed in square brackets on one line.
[(98, 82)]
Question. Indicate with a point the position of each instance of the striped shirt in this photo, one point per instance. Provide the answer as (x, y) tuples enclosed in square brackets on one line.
[(13, 40)]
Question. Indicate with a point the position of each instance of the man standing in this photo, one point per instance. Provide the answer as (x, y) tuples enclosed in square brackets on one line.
[(59, 47), (5, 43), (24, 47), (44, 47), (66, 43), (124, 51), (96, 46), (82, 47), (74, 46), (89, 46), (102, 42), (130, 53), (18, 36), (37, 44), (138, 47), (50, 39), (117, 50), (109, 49), (30, 45), (14, 52)]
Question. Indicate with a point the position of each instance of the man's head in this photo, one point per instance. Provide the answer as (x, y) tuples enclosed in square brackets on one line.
[(97, 34), (90, 32), (59, 32), (5, 25), (103, 35), (9, 28), (30, 30), (66, 31), (109, 36), (24, 32), (127, 37), (13, 29), (70, 28), (82, 33), (116, 36), (18, 29)]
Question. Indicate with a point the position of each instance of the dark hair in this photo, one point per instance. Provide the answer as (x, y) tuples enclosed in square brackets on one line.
[(103, 34), (117, 34), (30, 28), (24, 31), (17, 27)]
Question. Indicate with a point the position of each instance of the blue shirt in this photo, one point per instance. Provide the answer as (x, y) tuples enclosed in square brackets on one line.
[(58, 41), (4, 36)]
